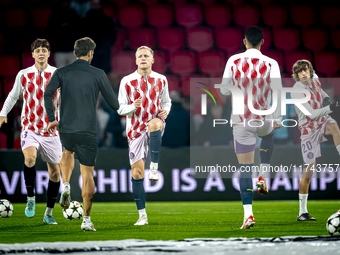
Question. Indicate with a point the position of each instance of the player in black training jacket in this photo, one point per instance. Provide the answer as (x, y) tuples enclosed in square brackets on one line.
[(80, 84)]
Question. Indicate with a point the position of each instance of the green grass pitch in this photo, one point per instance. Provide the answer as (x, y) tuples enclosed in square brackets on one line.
[(169, 221)]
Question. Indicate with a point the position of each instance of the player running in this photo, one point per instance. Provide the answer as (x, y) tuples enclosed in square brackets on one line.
[(313, 127), (31, 82), (144, 99), (80, 85), (253, 69)]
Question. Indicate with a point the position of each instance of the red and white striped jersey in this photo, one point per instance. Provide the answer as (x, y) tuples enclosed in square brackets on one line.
[(253, 69), (311, 123), (155, 96), (32, 83)]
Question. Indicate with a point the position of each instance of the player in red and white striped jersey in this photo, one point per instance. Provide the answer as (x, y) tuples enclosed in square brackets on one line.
[(144, 99), (31, 83), (312, 127), (251, 69)]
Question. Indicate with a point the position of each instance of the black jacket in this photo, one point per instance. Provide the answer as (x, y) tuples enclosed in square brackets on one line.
[(80, 84)]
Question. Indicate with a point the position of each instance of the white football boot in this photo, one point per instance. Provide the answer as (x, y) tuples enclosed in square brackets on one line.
[(143, 220)]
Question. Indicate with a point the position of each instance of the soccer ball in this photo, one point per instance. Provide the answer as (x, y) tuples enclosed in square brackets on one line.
[(6, 208), (333, 224), (74, 211)]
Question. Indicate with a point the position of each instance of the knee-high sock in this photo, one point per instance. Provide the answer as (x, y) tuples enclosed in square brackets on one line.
[(30, 174), (246, 184), (138, 193), (155, 145), (266, 150), (52, 193)]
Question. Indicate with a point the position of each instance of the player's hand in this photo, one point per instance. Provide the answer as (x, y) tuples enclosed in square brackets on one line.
[(51, 125), (3, 120), (276, 126), (334, 106), (162, 114), (138, 102)]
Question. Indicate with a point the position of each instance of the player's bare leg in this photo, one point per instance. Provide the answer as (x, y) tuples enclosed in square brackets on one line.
[(332, 128), (87, 193), (67, 166), (155, 127), (138, 190), (52, 191), (30, 154), (303, 193), (246, 160)]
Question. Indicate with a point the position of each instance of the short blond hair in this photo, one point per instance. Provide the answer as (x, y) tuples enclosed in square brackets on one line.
[(302, 64), (144, 47)]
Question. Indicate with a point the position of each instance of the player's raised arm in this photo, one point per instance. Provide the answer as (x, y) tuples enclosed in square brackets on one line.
[(11, 99)]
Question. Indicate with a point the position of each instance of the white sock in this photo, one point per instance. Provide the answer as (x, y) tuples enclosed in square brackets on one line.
[(248, 211), (66, 185), (48, 211), (153, 165), (86, 219), (31, 198), (264, 168), (142, 212), (303, 203), (338, 148)]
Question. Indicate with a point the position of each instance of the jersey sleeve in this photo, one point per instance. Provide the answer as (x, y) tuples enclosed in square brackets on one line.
[(50, 90), (108, 93), (13, 96), (276, 83), (227, 76), (125, 107), (165, 99)]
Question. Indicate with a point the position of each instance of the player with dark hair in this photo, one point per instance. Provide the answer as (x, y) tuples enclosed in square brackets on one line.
[(313, 127), (252, 69), (144, 99), (31, 82), (80, 84)]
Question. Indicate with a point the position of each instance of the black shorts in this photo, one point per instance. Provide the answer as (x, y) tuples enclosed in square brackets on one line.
[(83, 144)]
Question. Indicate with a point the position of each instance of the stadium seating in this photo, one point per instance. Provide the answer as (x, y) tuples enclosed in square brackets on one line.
[(9, 65), (123, 63), (277, 55), (330, 15), (15, 17), (131, 16), (142, 36), (246, 15), (189, 15), (293, 56), (8, 83), (303, 15), (160, 64), (267, 37), (212, 63), (218, 15), (40, 16), (229, 39), (3, 140), (160, 15), (182, 62), (200, 39), (120, 40), (286, 38), (274, 15), (336, 38), (173, 82), (171, 38), (327, 62), (314, 38), (27, 60), (149, 2)]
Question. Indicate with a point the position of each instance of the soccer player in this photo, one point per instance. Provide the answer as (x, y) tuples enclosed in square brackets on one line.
[(144, 99), (261, 73), (313, 127), (80, 84), (31, 82)]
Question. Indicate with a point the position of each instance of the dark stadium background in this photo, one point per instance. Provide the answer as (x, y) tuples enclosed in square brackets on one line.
[(190, 39)]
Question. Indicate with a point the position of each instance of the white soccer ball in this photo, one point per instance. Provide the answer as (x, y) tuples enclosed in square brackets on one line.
[(74, 212), (6, 208), (333, 224)]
